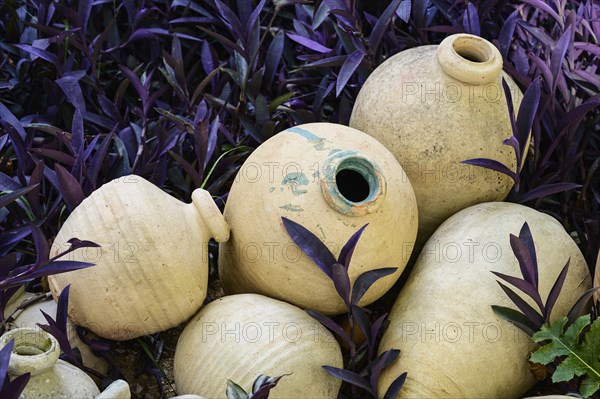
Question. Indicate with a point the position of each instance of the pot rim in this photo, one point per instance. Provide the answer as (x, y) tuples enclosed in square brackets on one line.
[(367, 169), (469, 59), (31, 340)]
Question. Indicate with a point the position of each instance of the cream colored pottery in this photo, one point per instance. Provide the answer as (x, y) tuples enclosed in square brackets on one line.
[(435, 106), (188, 397), (449, 336), (551, 397), (151, 271), (332, 180), (239, 337), (32, 315), (37, 352)]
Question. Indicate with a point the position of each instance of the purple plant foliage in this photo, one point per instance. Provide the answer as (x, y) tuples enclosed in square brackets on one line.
[(180, 93)]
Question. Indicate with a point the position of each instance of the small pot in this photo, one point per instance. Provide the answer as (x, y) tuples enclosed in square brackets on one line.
[(37, 352)]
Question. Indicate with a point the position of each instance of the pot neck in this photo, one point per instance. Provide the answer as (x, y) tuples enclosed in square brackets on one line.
[(469, 59), (210, 215), (34, 351), (352, 183)]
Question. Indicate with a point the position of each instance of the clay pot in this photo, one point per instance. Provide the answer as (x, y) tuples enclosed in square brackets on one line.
[(37, 352), (435, 106), (151, 271), (331, 179), (118, 389), (450, 338), (239, 337), (32, 315)]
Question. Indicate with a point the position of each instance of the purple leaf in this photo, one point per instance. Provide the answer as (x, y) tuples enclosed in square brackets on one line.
[(135, 81), (558, 54), (12, 120), (543, 6), (527, 112), (382, 24), (395, 387), (77, 131), (506, 34), (524, 249), (69, 188), (342, 282), (577, 309), (62, 309), (254, 17), (362, 320), (366, 280), (348, 249), (347, 70), (69, 84), (547, 189), (57, 267), (232, 21), (41, 245), (99, 158), (403, 11), (350, 377), (311, 44), (577, 114), (6, 199), (84, 9), (524, 286), (516, 318), (471, 20), (5, 353), (228, 44), (330, 324), (14, 389), (555, 291), (493, 165), (381, 362), (310, 245), (273, 57), (535, 317), (43, 54)]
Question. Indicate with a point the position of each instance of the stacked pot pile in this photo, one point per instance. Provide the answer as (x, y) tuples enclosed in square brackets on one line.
[(398, 169)]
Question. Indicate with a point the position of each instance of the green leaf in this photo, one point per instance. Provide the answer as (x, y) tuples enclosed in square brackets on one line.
[(582, 356)]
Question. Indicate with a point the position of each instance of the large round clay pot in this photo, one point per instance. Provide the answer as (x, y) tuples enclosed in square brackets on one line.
[(151, 271), (239, 337), (36, 352), (443, 323), (435, 106), (332, 180)]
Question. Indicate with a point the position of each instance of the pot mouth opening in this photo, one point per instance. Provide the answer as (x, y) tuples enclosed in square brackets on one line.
[(356, 180), (469, 59), (473, 50), (352, 183), (34, 350)]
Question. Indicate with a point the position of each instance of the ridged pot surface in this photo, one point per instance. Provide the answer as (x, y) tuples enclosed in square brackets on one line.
[(239, 337), (449, 336), (434, 107), (332, 180), (151, 270)]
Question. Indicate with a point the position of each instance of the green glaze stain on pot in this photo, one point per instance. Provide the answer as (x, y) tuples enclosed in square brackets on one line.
[(294, 180), (291, 208), (319, 142)]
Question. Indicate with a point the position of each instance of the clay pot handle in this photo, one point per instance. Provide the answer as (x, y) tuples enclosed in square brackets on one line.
[(210, 213)]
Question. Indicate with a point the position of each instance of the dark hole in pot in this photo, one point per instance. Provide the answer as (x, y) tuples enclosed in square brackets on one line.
[(473, 51), (352, 185)]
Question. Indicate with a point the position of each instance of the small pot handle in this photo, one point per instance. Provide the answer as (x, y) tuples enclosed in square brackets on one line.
[(210, 213)]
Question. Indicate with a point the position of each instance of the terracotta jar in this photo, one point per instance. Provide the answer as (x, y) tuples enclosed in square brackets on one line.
[(151, 271), (37, 352), (239, 337), (32, 315), (332, 180), (443, 322), (435, 106)]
